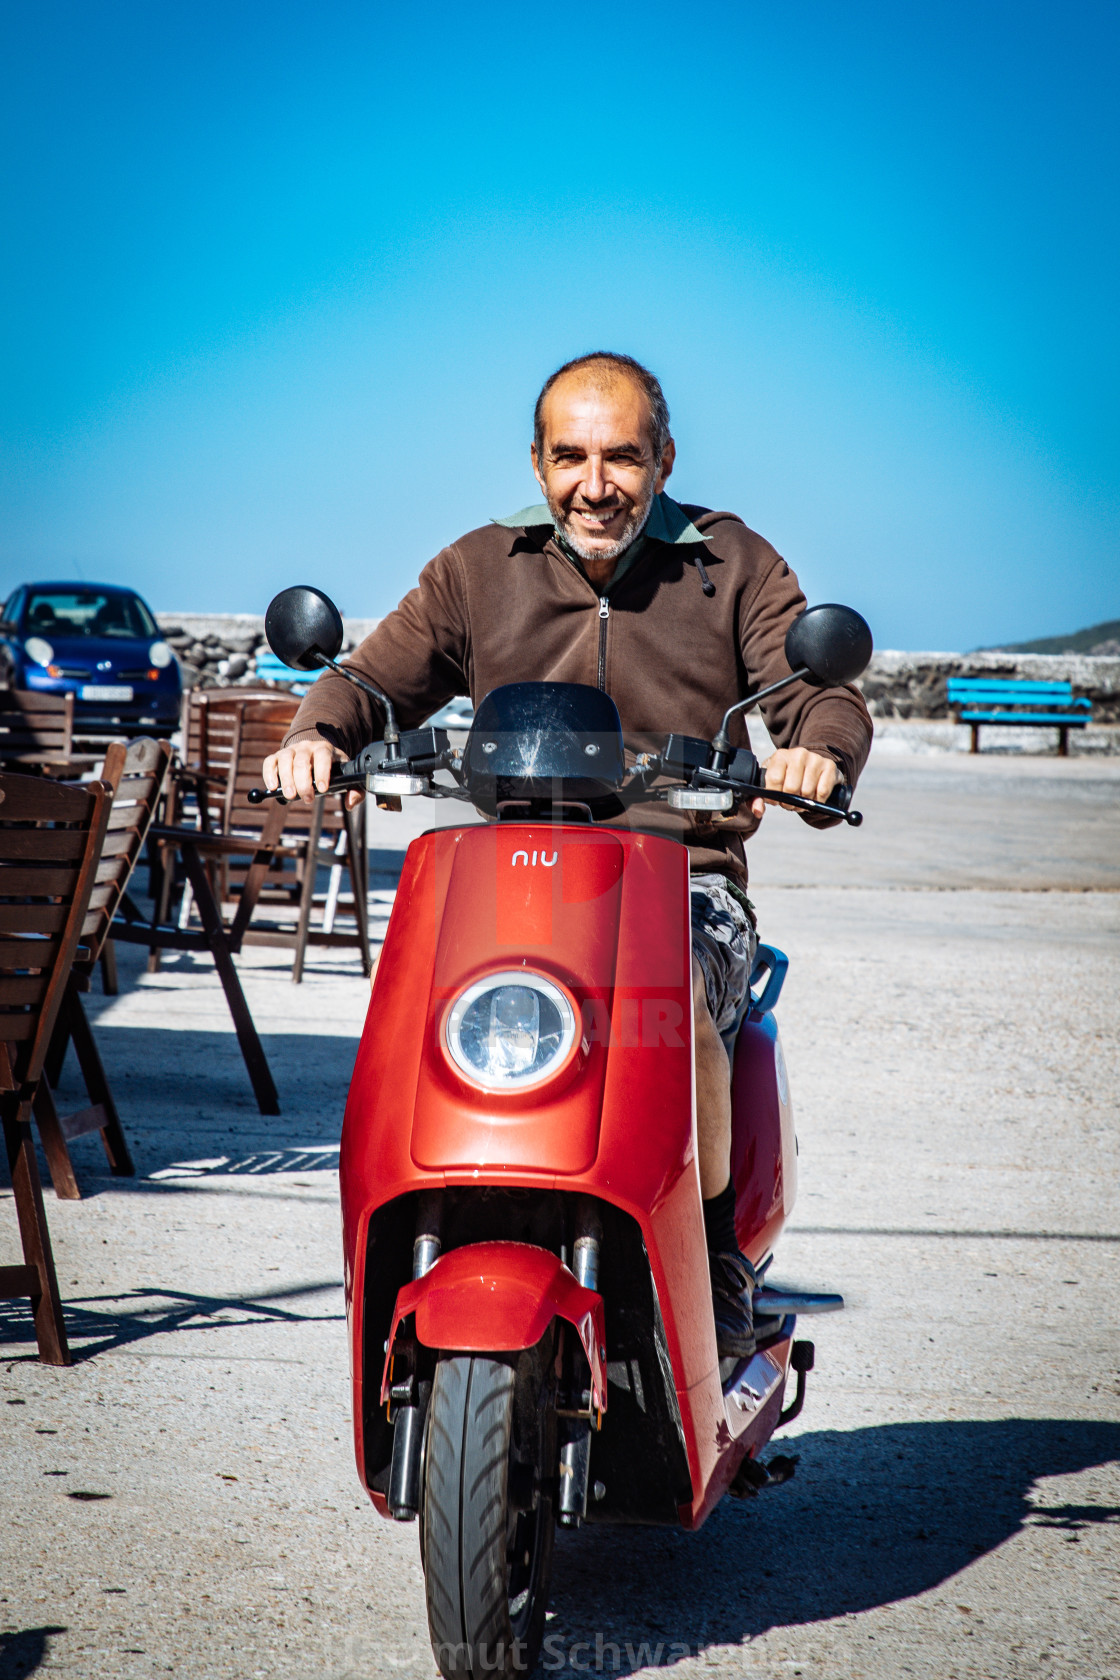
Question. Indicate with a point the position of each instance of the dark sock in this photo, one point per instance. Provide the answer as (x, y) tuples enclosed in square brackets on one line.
[(719, 1221)]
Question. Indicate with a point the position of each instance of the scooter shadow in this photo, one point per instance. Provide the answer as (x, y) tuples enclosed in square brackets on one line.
[(872, 1516)]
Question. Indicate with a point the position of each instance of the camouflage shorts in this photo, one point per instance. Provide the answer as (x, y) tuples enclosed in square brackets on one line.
[(724, 942)]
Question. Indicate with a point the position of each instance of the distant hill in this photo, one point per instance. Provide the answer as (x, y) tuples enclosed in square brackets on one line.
[(1099, 638)]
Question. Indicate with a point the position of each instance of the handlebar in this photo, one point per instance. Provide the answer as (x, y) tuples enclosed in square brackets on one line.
[(838, 802)]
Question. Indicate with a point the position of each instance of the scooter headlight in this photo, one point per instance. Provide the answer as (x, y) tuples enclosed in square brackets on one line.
[(510, 1030)]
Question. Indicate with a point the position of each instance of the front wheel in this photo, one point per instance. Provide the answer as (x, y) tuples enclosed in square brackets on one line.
[(487, 1519)]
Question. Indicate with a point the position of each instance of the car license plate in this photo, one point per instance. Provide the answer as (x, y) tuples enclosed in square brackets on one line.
[(104, 691)]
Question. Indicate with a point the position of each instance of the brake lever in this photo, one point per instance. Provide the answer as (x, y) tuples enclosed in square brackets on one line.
[(853, 818), (836, 805), (337, 784)]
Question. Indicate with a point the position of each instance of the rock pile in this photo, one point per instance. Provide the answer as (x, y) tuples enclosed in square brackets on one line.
[(221, 650)]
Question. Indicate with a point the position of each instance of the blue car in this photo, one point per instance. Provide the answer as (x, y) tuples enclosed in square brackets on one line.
[(98, 642)]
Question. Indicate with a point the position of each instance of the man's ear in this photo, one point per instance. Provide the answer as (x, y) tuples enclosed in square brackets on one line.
[(668, 456), (535, 458)]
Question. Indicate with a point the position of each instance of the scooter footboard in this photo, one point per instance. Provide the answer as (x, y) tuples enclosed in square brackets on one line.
[(499, 1297)]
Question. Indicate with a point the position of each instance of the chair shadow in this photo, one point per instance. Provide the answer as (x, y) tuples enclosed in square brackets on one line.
[(872, 1516), (23, 1652), (185, 1096), (98, 1324)]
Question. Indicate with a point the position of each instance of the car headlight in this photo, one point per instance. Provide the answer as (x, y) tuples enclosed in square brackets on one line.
[(37, 649), (160, 655), (510, 1030)]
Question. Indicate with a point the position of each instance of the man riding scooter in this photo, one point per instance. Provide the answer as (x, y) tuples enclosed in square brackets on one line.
[(676, 612)]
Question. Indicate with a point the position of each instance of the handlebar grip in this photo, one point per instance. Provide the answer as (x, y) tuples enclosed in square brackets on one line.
[(257, 796), (841, 797)]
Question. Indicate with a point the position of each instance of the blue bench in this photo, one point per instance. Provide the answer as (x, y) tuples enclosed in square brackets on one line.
[(984, 700), (271, 669)]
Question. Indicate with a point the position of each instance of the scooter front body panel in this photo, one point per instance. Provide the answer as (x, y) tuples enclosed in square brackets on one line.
[(603, 914)]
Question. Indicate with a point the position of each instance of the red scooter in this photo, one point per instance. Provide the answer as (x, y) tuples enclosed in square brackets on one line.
[(531, 1330)]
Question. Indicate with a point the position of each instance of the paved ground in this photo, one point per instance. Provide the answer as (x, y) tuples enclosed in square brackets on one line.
[(956, 1512)]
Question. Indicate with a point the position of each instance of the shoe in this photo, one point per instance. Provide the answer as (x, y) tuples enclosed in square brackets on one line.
[(733, 1281)]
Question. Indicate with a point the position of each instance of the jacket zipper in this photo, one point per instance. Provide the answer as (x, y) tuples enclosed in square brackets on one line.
[(604, 615)]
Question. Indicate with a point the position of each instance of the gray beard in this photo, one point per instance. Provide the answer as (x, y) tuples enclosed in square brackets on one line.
[(633, 529)]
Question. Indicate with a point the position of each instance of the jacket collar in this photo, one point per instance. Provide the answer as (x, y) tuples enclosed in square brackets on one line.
[(667, 522)]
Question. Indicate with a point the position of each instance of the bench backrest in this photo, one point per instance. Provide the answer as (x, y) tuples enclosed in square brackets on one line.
[(1008, 691)]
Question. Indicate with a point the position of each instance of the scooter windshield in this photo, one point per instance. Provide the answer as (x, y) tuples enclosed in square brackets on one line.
[(548, 743)]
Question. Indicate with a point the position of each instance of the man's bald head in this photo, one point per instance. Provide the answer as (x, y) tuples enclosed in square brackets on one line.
[(601, 370)]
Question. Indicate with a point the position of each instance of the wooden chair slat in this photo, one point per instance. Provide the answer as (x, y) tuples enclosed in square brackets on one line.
[(26, 954), (17, 1028), (43, 801), (33, 918), (22, 988), (50, 845), (52, 881), (117, 861), (119, 844)]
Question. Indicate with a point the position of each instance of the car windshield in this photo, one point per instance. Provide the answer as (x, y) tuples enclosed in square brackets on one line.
[(86, 612)]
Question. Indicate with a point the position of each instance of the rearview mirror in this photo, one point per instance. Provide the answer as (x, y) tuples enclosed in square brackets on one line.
[(301, 624), (831, 642)]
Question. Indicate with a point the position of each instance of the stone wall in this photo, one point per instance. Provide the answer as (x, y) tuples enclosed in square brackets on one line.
[(220, 650), (914, 685)]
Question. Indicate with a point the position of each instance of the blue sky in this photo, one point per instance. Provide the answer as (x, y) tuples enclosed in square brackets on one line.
[(280, 282)]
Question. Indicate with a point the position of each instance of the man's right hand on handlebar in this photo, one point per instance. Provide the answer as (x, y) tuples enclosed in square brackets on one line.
[(302, 771)]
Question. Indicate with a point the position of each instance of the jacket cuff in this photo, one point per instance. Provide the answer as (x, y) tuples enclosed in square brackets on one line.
[(298, 735)]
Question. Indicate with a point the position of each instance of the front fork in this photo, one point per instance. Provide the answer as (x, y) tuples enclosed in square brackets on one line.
[(575, 1425), (409, 1395), (413, 1394)]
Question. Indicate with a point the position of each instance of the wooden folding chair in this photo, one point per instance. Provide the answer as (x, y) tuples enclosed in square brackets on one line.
[(240, 732), (50, 842), (136, 774), (196, 789)]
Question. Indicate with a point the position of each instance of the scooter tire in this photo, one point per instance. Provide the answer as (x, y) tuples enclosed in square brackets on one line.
[(486, 1605)]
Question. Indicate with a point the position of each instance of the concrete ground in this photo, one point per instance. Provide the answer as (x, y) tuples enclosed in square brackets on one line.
[(183, 1499)]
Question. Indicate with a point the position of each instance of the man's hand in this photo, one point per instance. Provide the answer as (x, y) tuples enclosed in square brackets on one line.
[(797, 770), (305, 769)]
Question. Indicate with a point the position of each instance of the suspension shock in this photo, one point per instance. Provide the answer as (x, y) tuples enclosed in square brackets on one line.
[(575, 1449), (408, 1423)]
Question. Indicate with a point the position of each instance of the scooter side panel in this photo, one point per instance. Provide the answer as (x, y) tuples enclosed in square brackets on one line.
[(374, 1162), (763, 1151), (647, 1157)]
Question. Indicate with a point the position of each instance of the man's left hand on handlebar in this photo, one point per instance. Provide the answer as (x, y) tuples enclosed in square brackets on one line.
[(302, 771), (797, 770)]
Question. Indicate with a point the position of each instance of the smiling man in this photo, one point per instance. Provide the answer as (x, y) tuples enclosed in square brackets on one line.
[(675, 611)]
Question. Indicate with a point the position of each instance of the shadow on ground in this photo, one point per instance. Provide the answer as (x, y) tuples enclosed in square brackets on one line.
[(102, 1323), (873, 1516), (22, 1653), (186, 1096)]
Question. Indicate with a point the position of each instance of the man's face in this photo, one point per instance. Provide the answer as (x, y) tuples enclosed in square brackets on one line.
[(597, 468)]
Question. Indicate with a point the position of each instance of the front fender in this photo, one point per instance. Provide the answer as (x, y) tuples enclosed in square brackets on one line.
[(500, 1297)]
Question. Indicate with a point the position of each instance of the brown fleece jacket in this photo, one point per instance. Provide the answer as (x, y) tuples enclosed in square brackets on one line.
[(505, 605)]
